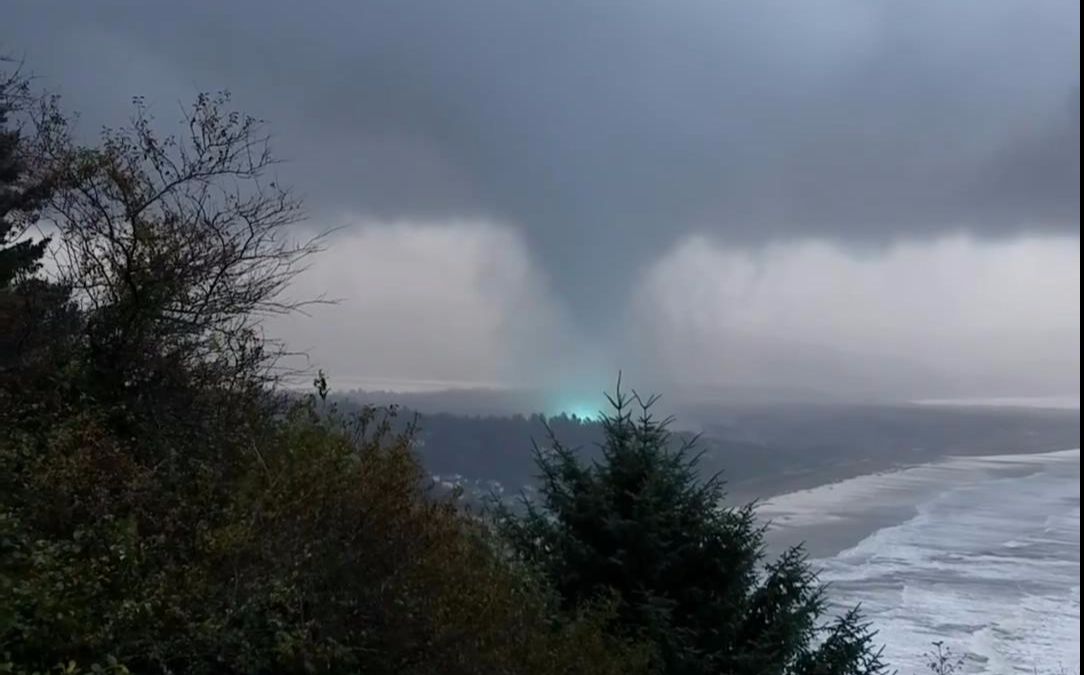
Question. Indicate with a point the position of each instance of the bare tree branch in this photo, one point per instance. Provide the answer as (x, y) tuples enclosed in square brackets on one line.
[(184, 242)]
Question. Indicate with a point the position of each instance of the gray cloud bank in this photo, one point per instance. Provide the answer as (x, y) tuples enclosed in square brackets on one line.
[(606, 136), (952, 317)]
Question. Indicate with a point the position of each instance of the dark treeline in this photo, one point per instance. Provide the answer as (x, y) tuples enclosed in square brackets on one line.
[(758, 447), (487, 447)]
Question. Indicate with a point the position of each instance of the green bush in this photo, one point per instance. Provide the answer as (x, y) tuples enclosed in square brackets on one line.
[(324, 554)]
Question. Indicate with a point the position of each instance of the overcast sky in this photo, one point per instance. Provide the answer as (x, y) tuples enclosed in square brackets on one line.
[(848, 195)]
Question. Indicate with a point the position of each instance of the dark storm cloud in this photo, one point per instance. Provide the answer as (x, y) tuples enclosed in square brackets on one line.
[(608, 130)]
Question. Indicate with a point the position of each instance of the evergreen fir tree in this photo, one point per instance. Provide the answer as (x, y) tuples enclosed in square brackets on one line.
[(686, 571)]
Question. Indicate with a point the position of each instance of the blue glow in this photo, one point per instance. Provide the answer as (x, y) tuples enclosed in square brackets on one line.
[(584, 411)]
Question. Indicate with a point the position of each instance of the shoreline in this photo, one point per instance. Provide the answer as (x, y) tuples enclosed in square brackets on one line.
[(825, 517), (765, 488)]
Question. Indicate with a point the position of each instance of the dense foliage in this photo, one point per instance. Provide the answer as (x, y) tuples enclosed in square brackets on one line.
[(686, 570)]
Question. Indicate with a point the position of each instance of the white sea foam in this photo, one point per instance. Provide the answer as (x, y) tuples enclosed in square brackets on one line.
[(981, 552)]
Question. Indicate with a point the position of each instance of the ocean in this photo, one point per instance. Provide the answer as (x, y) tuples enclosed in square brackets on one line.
[(982, 553)]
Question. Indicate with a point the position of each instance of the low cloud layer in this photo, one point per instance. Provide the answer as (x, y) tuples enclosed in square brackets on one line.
[(947, 317), (416, 303), (953, 316)]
